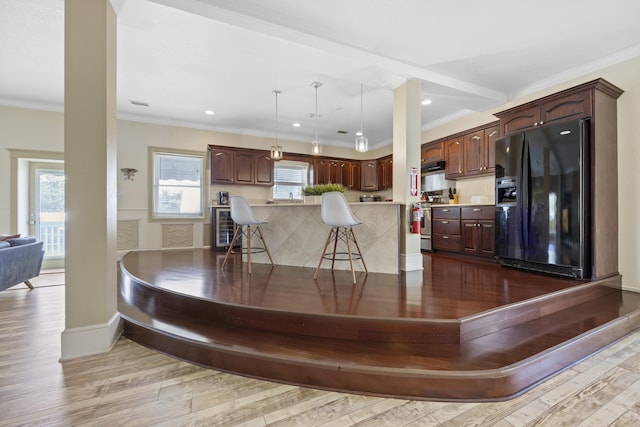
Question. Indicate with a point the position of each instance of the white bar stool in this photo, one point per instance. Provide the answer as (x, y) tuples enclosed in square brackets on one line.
[(336, 212), (248, 225)]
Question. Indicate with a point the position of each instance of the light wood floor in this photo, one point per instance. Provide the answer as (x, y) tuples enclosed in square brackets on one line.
[(132, 385)]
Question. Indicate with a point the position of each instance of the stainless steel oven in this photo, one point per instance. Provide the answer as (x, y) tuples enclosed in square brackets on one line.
[(425, 231)]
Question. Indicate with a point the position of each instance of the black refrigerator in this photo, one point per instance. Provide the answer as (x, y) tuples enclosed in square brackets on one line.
[(543, 200)]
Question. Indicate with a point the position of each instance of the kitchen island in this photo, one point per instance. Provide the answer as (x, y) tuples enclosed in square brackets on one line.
[(295, 235)]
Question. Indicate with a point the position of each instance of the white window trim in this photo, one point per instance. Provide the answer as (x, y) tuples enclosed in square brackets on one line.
[(290, 163), (152, 184)]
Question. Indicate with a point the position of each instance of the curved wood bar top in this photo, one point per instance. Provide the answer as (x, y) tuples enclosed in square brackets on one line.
[(470, 330)]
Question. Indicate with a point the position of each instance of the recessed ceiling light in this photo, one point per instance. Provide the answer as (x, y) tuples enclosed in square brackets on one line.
[(565, 132), (358, 133), (296, 125), (209, 113), (426, 102)]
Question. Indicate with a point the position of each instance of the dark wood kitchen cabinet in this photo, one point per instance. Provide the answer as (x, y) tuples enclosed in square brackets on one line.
[(567, 105), (464, 229), (445, 223), (222, 171), (369, 175), (240, 166), (431, 152), (324, 173), (264, 168), (385, 173), (349, 174), (479, 151), (454, 158), (478, 230)]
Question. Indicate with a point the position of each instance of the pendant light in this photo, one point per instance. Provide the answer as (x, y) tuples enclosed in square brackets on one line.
[(362, 142), (276, 150), (316, 147)]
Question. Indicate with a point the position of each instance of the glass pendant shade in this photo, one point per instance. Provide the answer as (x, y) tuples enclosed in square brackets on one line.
[(362, 144), (276, 152), (316, 147), (276, 149)]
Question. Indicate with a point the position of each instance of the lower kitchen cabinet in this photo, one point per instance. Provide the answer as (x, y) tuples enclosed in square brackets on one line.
[(445, 225), (478, 230), (464, 229)]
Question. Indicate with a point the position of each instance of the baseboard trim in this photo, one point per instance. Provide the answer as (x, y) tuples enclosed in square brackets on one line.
[(89, 340), (411, 262)]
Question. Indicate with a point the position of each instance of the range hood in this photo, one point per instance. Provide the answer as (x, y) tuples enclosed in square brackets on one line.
[(432, 166)]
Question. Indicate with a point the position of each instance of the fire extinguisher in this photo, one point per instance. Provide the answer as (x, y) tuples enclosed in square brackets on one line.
[(416, 218)]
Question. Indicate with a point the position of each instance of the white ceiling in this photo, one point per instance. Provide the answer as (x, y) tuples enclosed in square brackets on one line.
[(183, 57)]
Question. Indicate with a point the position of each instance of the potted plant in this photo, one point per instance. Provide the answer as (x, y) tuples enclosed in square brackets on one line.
[(313, 193)]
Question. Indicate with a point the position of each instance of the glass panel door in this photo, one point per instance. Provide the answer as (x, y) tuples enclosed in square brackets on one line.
[(46, 220)]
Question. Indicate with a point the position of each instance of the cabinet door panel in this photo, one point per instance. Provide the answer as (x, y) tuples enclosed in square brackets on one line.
[(487, 230), (243, 168), (475, 157), (569, 107), (470, 236), (519, 120), (264, 169), (490, 136), (453, 157), (221, 166), (369, 175), (430, 153)]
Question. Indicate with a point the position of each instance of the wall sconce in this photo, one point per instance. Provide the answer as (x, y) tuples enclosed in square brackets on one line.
[(129, 173)]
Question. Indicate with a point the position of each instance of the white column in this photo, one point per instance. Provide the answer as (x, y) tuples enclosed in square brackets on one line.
[(406, 154), (92, 323)]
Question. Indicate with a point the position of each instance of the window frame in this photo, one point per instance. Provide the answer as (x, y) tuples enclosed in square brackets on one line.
[(153, 187), (291, 163)]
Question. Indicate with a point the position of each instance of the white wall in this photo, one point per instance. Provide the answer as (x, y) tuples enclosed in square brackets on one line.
[(37, 130)]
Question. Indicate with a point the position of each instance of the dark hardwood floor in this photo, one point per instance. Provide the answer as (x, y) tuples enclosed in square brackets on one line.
[(463, 329)]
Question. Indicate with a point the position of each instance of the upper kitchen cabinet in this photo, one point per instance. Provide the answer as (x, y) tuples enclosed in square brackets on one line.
[(369, 175), (240, 166), (454, 158), (431, 152), (327, 171), (385, 173), (263, 168), (574, 103), (350, 174), (479, 151), (222, 171)]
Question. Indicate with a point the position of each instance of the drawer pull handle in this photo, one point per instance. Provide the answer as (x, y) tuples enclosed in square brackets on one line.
[(445, 222), (477, 209), (445, 237), (445, 210)]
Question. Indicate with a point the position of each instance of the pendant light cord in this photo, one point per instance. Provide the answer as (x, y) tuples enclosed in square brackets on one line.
[(361, 111)]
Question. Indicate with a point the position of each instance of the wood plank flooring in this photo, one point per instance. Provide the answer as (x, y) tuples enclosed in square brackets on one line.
[(135, 386), (461, 330)]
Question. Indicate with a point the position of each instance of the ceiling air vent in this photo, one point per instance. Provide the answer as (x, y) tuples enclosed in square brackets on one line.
[(344, 132), (140, 103)]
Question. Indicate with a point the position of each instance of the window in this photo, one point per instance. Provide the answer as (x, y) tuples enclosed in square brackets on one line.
[(289, 179), (178, 185)]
